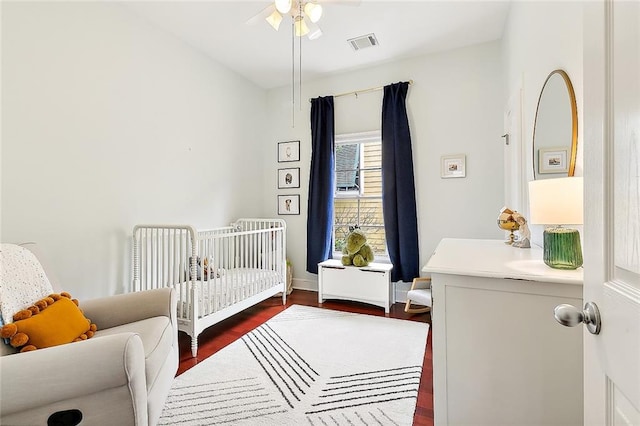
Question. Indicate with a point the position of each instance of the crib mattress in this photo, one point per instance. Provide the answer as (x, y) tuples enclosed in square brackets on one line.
[(225, 288)]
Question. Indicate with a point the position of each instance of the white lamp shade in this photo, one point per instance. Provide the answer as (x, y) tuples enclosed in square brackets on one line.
[(313, 11), (300, 27), (283, 6), (274, 20), (556, 201)]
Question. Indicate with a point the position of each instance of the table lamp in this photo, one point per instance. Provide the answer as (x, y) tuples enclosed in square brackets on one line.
[(557, 202)]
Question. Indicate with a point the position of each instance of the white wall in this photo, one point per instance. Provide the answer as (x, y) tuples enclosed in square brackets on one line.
[(103, 113), (109, 122), (541, 37), (455, 106)]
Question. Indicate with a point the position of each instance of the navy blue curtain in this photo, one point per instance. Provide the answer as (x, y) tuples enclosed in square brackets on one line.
[(398, 187), (321, 183)]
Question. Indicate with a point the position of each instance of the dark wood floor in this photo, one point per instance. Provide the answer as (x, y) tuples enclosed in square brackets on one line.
[(220, 335)]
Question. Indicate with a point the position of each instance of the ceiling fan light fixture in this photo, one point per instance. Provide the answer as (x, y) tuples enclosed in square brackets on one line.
[(274, 20), (313, 11), (300, 27), (283, 6)]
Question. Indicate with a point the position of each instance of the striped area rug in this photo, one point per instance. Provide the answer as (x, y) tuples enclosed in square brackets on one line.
[(307, 366)]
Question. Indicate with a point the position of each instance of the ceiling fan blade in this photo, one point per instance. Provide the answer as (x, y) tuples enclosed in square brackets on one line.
[(314, 29), (262, 15)]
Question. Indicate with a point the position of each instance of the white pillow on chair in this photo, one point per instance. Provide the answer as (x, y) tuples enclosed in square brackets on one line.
[(420, 296), (22, 280)]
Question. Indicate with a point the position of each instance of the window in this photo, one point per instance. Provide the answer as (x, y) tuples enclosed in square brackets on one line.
[(358, 191)]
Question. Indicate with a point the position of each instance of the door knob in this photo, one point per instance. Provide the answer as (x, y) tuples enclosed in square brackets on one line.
[(570, 316)]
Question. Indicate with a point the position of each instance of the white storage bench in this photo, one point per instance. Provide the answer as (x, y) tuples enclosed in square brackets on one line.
[(369, 284)]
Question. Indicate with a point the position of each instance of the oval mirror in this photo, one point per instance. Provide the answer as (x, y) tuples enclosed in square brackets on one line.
[(555, 131)]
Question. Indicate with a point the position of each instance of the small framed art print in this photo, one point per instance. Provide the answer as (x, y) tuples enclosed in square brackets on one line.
[(288, 204), (553, 160), (288, 151), (289, 178), (453, 166)]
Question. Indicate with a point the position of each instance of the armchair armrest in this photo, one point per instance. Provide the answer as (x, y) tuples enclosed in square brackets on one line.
[(421, 282), (73, 371), (122, 309)]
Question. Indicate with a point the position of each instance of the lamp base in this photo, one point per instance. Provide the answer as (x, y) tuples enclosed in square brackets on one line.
[(562, 249)]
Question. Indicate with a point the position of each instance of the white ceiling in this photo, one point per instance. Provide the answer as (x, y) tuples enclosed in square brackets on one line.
[(264, 56)]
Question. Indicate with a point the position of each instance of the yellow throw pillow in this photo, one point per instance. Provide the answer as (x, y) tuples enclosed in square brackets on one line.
[(56, 320)]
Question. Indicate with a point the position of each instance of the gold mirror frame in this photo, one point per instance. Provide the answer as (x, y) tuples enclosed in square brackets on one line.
[(574, 124)]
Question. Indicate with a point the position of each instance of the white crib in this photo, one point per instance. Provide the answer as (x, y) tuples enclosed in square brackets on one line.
[(216, 272)]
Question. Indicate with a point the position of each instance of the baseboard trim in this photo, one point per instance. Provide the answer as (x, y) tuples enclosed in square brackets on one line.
[(400, 291), (303, 284)]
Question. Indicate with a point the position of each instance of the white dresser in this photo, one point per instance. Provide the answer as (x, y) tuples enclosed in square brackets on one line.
[(369, 284), (499, 356)]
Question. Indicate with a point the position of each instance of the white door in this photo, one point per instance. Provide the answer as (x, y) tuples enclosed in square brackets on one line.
[(611, 90)]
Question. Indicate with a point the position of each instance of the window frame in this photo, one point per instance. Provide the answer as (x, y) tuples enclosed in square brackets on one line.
[(360, 138)]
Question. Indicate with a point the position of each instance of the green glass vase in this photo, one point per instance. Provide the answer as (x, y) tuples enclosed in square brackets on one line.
[(562, 249)]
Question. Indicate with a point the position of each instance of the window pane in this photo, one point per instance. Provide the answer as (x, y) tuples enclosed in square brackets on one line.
[(372, 182), (371, 212), (340, 237), (347, 167), (348, 180), (372, 154), (345, 211), (376, 239), (367, 213), (372, 169)]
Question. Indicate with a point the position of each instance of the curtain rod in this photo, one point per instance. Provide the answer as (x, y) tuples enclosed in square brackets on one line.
[(356, 92)]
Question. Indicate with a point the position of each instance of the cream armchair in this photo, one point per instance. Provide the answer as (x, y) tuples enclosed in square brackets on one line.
[(121, 376)]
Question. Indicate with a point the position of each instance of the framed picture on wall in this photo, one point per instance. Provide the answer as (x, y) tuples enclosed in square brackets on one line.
[(288, 151), (288, 204), (289, 178), (553, 160), (453, 166)]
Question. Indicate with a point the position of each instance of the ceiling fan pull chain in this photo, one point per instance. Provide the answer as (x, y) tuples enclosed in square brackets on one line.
[(293, 75), (300, 72)]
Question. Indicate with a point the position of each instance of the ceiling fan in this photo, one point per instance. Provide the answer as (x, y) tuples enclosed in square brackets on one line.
[(305, 15)]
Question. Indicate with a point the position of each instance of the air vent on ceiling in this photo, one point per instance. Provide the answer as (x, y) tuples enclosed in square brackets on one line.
[(363, 41)]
